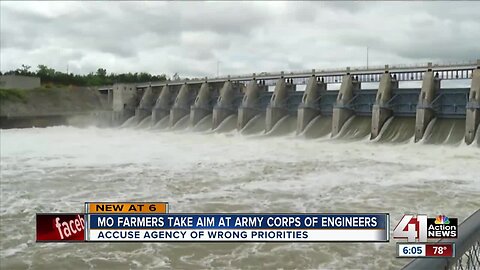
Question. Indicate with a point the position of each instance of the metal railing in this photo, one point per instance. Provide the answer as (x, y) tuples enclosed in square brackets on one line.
[(470, 260), (334, 74), (467, 254), (368, 74), (330, 75), (356, 69)]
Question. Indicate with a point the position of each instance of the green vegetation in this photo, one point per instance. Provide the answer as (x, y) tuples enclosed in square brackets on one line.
[(50, 76), (12, 95)]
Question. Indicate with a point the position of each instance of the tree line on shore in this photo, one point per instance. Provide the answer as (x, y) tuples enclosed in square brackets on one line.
[(100, 77)]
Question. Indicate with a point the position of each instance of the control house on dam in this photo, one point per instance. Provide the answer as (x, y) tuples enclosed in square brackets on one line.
[(283, 103)]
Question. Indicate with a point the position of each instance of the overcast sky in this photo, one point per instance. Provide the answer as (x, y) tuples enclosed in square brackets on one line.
[(191, 37)]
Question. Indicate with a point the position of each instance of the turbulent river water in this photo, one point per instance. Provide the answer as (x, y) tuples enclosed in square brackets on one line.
[(57, 169)]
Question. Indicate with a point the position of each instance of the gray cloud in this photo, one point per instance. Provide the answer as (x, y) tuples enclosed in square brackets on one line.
[(190, 37)]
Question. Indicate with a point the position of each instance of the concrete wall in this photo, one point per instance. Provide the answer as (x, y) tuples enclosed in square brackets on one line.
[(19, 82), (425, 111), (125, 100), (124, 96), (381, 110), (341, 111)]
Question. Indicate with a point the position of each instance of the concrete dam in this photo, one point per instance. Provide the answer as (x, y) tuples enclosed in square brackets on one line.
[(281, 103)]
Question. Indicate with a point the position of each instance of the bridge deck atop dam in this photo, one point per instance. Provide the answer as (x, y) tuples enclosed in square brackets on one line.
[(302, 97)]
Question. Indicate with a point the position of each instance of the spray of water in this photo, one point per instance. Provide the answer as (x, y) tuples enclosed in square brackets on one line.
[(397, 130), (355, 128), (320, 126), (132, 121), (256, 125)]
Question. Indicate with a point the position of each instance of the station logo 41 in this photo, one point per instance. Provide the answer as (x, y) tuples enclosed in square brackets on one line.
[(421, 228)]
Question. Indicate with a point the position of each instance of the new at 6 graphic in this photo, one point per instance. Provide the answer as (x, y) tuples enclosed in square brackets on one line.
[(421, 228)]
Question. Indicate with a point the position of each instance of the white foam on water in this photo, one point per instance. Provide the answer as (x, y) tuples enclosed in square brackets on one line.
[(57, 169)]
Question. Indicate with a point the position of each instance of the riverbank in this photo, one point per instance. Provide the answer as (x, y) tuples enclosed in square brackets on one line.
[(44, 107)]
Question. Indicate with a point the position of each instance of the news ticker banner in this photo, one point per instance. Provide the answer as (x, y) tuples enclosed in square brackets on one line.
[(238, 227), (421, 250), (147, 222)]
